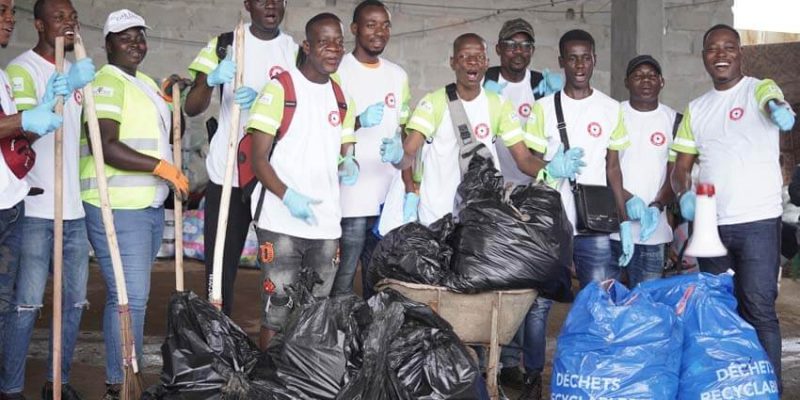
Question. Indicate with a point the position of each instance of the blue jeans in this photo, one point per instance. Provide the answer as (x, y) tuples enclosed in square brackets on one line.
[(139, 236), (646, 264), (10, 243), (530, 339), (754, 256), (36, 261), (592, 257), (353, 246), (288, 255)]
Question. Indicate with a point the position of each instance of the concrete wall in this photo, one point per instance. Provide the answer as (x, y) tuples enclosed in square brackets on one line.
[(422, 33)]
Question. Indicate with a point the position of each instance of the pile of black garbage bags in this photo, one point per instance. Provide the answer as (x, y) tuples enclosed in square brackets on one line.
[(338, 348), (503, 238)]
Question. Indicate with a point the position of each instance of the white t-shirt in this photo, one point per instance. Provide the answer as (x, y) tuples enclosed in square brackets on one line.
[(29, 73), (263, 59), (644, 163), (305, 158), (521, 96), (594, 124), (489, 116), (12, 188), (387, 83), (738, 148)]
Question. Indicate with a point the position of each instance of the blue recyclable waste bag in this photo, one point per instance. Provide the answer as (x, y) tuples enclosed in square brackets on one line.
[(617, 344), (722, 357)]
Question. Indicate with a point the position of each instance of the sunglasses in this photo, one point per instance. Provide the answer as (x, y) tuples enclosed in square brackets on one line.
[(514, 45)]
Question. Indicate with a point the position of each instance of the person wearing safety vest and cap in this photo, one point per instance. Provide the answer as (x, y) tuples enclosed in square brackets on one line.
[(135, 129)]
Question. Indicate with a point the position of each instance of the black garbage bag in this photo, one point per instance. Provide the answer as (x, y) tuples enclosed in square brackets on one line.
[(516, 238), (411, 353), (320, 347), (413, 253), (205, 354)]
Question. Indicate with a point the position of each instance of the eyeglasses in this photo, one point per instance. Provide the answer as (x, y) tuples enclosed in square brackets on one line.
[(263, 3), (513, 45)]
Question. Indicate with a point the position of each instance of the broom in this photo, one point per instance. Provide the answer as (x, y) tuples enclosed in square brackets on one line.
[(132, 383), (176, 155), (225, 199), (58, 231)]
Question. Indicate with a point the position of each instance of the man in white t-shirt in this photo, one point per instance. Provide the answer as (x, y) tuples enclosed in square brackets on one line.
[(646, 166), (594, 122), (490, 117), (300, 170), (381, 93), (268, 51), (29, 73), (732, 133)]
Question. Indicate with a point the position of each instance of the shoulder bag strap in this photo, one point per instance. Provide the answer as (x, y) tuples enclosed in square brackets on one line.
[(467, 144)]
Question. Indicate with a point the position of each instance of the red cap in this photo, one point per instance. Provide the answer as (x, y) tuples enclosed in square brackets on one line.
[(705, 189)]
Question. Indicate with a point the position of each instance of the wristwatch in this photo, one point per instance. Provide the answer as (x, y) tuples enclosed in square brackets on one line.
[(658, 205)]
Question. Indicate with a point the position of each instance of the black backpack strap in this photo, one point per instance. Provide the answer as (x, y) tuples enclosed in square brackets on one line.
[(562, 126), (223, 41), (536, 78), (492, 74), (676, 124)]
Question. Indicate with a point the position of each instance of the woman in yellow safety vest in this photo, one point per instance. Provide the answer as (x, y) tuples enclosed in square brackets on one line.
[(134, 128)]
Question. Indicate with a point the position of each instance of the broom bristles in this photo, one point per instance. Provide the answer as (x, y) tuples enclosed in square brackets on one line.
[(132, 386)]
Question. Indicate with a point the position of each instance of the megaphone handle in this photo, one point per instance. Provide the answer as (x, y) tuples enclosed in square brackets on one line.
[(689, 232)]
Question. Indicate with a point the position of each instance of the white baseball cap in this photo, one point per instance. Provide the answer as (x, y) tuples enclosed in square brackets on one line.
[(121, 20)]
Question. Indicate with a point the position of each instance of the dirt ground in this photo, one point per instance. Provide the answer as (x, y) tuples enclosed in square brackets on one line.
[(88, 366)]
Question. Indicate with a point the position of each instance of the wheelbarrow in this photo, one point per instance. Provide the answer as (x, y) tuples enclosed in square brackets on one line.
[(488, 319)]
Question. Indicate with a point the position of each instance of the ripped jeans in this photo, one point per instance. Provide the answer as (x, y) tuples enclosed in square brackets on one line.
[(281, 257), (35, 268)]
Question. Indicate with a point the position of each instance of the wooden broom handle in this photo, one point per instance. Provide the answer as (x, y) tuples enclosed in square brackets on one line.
[(230, 160), (102, 181), (58, 230), (177, 158)]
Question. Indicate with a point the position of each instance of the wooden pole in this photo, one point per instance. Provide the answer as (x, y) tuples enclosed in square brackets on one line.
[(225, 199), (128, 349), (58, 231), (177, 159)]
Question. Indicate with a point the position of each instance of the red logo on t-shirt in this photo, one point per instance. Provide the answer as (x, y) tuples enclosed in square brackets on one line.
[(658, 138), (594, 129), (390, 101), (524, 110), (334, 118), (78, 97), (736, 114), (482, 131), (275, 70)]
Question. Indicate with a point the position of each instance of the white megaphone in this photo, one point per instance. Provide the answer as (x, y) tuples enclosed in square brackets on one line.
[(705, 240)]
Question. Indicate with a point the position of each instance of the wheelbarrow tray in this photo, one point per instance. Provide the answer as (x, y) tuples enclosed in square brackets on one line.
[(471, 314)]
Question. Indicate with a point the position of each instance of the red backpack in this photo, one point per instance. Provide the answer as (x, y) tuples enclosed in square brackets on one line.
[(18, 153), (247, 177)]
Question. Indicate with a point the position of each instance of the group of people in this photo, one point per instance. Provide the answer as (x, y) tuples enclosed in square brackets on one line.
[(341, 157)]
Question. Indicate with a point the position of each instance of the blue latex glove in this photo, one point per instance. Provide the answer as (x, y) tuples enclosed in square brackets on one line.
[(372, 115), (392, 149), (348, 170), (635, 208), (626, 240), (245, 96), (225, 71), (41, 119), (300, 206), (551, 83), (494, 86), (566, 164), (649, 222), (781, 115), (80, 73), (410, 204), (57, 85), (687, 203)]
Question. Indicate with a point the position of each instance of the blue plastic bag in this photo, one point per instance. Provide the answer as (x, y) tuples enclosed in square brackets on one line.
[(617, 344), (722, 357)]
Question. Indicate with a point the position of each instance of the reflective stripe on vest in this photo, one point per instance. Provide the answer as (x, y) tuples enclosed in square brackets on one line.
[(139, 144)]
